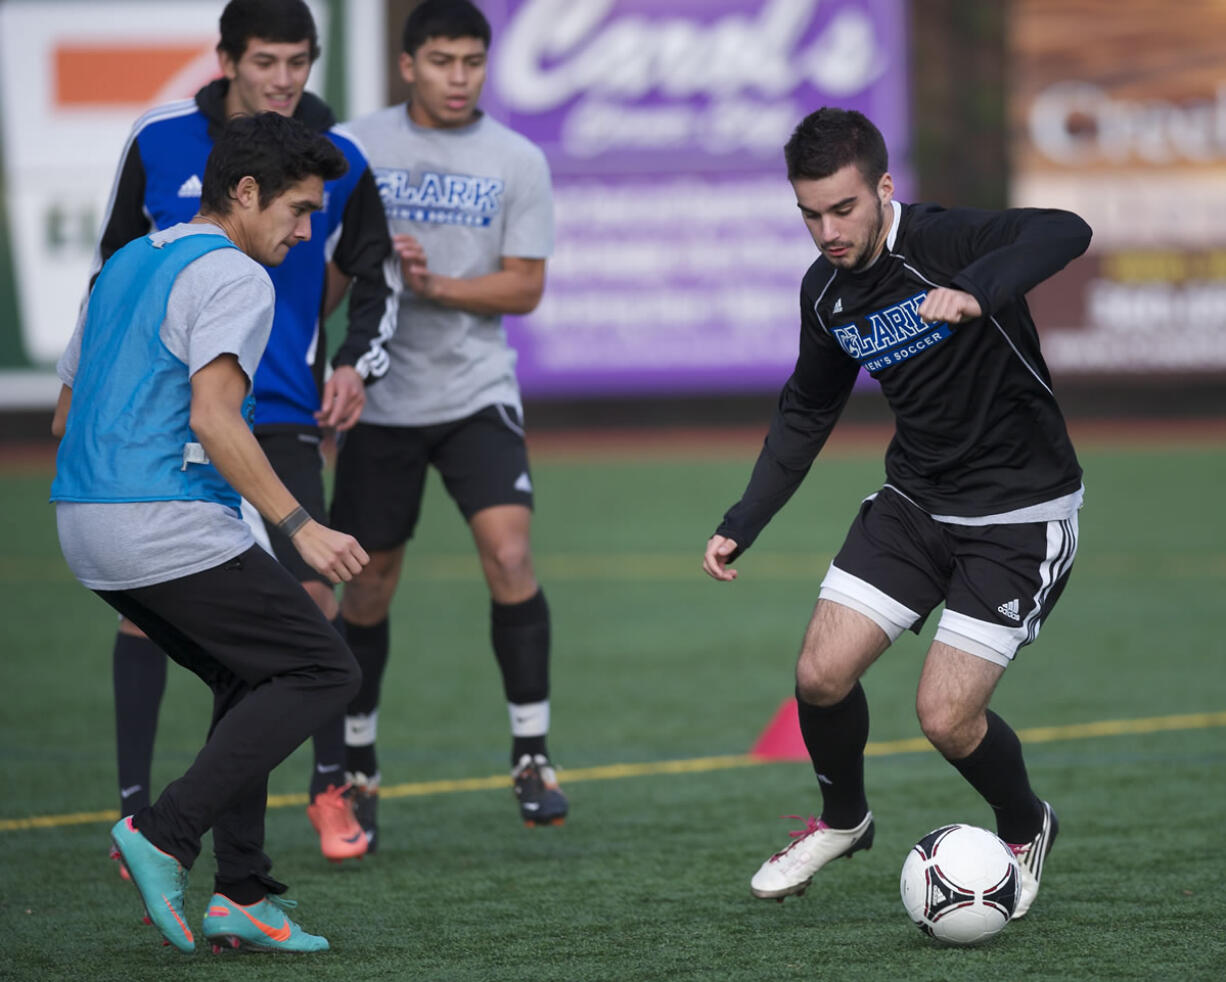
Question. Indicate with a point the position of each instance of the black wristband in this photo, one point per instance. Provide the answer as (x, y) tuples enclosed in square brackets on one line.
[(292, 522)]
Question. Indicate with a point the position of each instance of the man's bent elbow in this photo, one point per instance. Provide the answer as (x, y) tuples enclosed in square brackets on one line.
[(208, 421), (527, 302)]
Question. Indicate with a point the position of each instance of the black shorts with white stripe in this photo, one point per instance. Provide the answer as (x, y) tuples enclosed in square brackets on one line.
[(999, 583)]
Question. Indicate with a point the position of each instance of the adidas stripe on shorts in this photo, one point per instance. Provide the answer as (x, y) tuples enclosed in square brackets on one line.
[(998, 582)]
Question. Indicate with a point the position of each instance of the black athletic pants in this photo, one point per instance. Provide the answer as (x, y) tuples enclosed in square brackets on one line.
[(277, 669)]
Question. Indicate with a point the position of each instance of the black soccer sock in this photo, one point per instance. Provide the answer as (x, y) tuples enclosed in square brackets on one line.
[(250, 889), (139, 677), (835, 737), (997, 771), (328, 742), (520, 636), (370, 647)]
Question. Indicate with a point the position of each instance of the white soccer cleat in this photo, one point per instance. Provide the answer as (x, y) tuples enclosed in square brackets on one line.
[(790, 871), (1030, 857)]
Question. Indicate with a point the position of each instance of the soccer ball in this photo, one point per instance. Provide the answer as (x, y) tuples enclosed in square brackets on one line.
[(960, 884)]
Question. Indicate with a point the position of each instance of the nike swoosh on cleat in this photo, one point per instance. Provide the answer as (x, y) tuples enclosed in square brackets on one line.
[(281, 933), (187, 931), (353, 838), (531, 806)]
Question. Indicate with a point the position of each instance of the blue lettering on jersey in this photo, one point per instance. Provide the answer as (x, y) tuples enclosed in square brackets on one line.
[(440, 199), (894, 334)]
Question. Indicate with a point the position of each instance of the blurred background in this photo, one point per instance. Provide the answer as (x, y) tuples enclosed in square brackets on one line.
[(671, 296)]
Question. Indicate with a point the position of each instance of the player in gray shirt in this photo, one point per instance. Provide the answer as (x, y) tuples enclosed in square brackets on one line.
[(156, 448), (469, 204)]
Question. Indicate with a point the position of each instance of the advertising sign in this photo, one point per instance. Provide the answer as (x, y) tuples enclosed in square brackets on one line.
[(1118, 112), (679, 247), (74, 77)]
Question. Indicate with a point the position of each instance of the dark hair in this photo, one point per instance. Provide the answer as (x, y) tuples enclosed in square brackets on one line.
[(276, 150), (282, 21), (444, 19), (829, 139)]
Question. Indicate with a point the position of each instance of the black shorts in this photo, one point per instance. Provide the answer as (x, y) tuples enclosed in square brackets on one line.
[(296, 458), (381, 473), (998, 582)]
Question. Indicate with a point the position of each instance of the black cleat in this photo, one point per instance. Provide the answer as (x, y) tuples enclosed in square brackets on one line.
[(541, 801)]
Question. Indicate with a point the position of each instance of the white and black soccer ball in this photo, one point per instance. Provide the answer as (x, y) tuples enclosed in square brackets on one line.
[(960, 884)]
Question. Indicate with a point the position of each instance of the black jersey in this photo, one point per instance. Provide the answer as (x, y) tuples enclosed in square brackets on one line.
[(977, 428)]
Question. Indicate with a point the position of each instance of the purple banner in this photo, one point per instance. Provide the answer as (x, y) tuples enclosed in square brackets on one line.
[(679, 248)]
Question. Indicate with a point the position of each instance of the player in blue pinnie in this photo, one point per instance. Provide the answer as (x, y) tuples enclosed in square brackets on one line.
[(156, 449)]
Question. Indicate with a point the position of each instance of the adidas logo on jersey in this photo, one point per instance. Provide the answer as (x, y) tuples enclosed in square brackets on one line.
[(191, 188), (1009, 609), (523, 483), (838, 306)]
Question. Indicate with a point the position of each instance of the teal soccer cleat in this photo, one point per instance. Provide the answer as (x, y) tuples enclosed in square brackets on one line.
[(161, 880), (262, 926)]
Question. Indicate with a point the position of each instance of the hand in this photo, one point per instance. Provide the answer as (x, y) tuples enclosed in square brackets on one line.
[(414, 266), (337, 555), (951, 306), (715, 561), (343, 397)]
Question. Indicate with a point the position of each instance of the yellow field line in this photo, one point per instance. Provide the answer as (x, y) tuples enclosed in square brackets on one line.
[(693, 765), (673, 567)]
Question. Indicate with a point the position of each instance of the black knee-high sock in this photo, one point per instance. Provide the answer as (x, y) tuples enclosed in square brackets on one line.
[(329, 745), (997, 771), (138, 668), (835, 737), (370, 647), (520, 636)]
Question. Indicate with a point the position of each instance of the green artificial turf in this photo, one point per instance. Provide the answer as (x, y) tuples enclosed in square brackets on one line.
[(654, 663)]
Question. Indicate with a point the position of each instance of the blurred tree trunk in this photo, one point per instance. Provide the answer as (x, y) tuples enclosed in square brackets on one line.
[(397, 13), (958, 70)]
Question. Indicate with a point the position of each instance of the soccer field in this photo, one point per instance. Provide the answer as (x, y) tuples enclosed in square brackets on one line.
[(662, 682)]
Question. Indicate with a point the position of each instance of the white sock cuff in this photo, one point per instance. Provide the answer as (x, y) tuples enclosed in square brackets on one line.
[(529, 719), (360, 730)]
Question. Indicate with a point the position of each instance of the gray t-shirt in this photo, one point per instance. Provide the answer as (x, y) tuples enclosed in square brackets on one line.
[(470, 196), (222, 303)]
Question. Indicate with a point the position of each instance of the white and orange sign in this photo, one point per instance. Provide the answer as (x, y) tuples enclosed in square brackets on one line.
[(75, 75)]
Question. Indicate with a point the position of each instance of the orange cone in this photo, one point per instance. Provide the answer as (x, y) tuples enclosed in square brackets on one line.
[(781, 740)]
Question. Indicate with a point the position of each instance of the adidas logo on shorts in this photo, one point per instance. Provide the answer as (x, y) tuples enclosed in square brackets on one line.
[(1009, 609)]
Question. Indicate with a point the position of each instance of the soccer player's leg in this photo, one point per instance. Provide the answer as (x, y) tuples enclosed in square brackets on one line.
[(839, 646), (138, 671), (364, 610), (247, 910), (277, 670), (1006, 581), (882, 582), (380, 479), (484, 465), (296, 458)]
